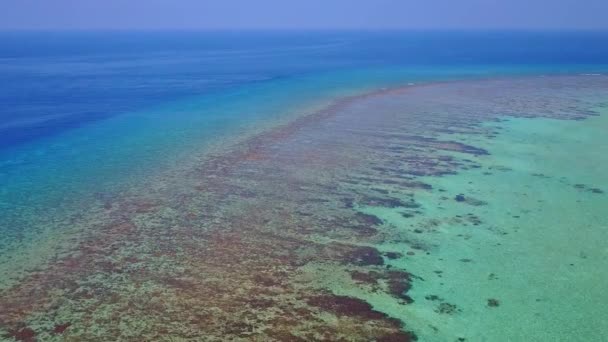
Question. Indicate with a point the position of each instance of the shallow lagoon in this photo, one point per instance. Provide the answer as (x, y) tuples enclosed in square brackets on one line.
[(519, 258)]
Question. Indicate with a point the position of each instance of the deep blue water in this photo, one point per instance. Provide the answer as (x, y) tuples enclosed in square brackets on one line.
[(52, 82)]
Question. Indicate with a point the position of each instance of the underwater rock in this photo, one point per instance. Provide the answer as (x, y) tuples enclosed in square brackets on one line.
[(588, 189), (493, 302), (368, 219), (364, 256), (370, 278), (382, 191), (447, 308), (399, 283), (393, 255), (266, 280), (346, 306), (348, 203), (284, 336), (388, 202), (469, 200), (398, 337), (61, 328), (25, 334)]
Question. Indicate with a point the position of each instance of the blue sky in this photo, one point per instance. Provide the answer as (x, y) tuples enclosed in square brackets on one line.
[(303, 14)]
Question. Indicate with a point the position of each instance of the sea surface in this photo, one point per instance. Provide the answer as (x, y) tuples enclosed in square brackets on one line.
[(445, 186)]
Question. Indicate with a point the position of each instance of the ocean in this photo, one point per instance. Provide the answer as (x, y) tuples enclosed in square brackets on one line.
[(103, 136)]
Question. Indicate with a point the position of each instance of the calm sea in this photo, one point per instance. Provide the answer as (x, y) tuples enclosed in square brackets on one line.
[(84, 112)]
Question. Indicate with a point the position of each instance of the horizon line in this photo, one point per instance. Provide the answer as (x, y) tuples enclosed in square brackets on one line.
[(287, 29)]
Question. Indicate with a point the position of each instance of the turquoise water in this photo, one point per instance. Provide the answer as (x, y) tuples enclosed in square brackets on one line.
[(537, 245), (99, 128)]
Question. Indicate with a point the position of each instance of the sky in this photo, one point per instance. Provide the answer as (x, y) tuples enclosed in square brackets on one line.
[(302, 14)]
